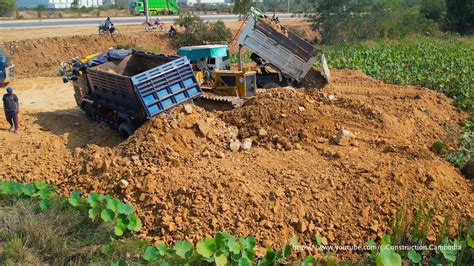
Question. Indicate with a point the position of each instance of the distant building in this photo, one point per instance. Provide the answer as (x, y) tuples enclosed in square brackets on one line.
[(56, 3)]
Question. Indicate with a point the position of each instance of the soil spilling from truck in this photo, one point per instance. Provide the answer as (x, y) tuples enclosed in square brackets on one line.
[(338, 163)]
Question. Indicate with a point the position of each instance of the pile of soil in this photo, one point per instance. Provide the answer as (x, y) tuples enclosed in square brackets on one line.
[(34, 57), (338, 162), (283, 118), (180, 172)]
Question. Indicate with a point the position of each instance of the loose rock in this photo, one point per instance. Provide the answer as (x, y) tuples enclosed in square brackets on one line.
[(343, 137), (188, 109), (246, 144), (235, 145)]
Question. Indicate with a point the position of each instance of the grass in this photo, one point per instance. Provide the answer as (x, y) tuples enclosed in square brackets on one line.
[(410, 227), (443, 64), (58, 236)]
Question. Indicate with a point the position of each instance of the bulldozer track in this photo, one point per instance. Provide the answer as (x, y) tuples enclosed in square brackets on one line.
[(233, 101)]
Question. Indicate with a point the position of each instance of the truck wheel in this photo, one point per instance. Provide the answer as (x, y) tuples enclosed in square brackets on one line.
[(125, 130), (141, 14)]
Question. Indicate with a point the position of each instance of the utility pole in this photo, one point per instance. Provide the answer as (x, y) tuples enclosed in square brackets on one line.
[(288, 10), (147, 13)]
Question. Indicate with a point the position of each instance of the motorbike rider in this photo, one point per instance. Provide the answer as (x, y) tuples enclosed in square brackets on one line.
[(172, 31), (158, 21), (107, 23), (275, 19)]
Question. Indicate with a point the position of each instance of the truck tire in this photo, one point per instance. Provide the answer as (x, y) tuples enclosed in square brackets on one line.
[(141, 14), (125, 130)]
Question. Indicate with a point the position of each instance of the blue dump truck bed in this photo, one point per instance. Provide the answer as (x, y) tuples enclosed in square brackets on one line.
[(124, 93)]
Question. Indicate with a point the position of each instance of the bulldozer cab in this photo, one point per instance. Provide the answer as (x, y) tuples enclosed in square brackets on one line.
[(210, 57), (235, 83)]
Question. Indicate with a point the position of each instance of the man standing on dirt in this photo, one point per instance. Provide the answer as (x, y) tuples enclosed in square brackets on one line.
[(11, 107)]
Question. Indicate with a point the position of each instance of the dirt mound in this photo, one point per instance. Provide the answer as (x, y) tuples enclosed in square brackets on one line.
[(338, 162), (282, 117), (41, 57), (314, 80)]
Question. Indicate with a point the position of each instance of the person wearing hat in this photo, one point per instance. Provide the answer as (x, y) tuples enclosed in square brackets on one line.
[(11, 107)]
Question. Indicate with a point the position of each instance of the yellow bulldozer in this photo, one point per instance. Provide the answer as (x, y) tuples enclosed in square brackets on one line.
[(216, 77)]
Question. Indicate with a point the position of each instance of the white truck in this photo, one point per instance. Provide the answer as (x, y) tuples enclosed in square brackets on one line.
[(290, 56)]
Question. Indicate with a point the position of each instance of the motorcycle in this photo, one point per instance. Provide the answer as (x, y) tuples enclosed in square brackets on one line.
[(103, 29), (149, 27)]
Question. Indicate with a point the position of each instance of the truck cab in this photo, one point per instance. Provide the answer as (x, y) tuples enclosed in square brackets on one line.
[(137, 8), (212, 57), (7, 68), (155, 7)]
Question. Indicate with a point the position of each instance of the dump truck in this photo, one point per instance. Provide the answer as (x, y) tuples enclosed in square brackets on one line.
[(7, 68), (124, 88), (275, 47), (155, 7)]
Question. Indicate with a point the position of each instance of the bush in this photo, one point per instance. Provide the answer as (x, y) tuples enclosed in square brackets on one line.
[(242, 6), (197, 32), (460, 14), (40, 9), (346, 21), (434, 9), (6, 7)]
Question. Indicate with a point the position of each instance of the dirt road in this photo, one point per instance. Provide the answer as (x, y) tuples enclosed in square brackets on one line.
[(294, 179), (7, 35)]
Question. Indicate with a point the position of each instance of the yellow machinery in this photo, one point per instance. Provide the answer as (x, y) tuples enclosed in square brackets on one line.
[(227, 86), (214, 74), (228, 82)]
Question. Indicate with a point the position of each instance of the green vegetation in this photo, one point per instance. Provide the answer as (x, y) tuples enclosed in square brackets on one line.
[(459, 17), (7, 7), (67, 231), (465, 152), (410, 228), (197, 32), (39, 227), (241, 7), (347, 21), (443, 65), (40, 9)]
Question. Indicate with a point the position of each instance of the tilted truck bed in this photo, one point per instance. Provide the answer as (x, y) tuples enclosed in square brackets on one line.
[(287, 52), (143, 85)]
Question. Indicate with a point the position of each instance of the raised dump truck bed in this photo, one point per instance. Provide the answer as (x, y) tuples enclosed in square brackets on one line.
[(124, 93), (282, 49)]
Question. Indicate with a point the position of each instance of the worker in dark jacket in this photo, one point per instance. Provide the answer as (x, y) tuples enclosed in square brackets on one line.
[(11, 107)]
